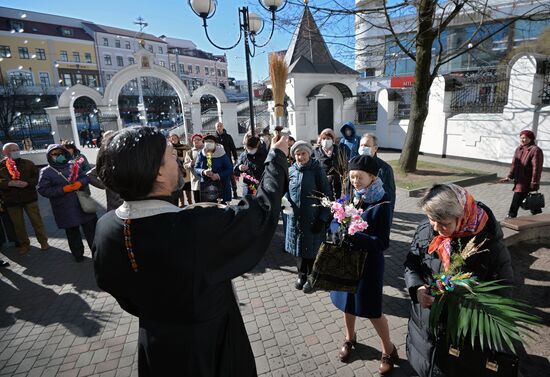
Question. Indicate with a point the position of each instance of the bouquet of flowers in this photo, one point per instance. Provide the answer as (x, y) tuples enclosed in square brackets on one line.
[(474, 311), (73, 176), (346, 218), (251, 182)]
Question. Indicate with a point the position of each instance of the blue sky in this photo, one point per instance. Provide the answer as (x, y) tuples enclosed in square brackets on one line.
[(174, 18)]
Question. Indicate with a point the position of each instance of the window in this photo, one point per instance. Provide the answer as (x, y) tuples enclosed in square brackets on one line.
[(368, 72), (150, 47), (182, 68), (223, 72), (190, 68), (162, 63), (76, 57), (88, 57), (66, 32), (117, 43), (108, 76), (219, 72), (63, 56), (197, 70), (21, 78), (23, 53), (78, 78), (44, 78), (105, 42), (127, 45), (92, 81), (173, 67), (17, 25), (206, 71), (67, 80), (40, 54), (107, 60), (161, 50), (120, 61), (131, 60), (5, 52)]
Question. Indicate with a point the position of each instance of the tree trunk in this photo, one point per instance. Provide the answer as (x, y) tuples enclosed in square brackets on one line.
[(420, 96)]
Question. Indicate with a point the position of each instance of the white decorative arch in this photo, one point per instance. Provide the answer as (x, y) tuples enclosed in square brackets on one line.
[(67, 98), (208, 89)]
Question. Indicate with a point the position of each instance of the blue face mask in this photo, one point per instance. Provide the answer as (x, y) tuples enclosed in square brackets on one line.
[(364, 150), (60, 159)]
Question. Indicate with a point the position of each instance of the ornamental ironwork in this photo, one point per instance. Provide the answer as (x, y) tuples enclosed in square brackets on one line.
[(545, 71)]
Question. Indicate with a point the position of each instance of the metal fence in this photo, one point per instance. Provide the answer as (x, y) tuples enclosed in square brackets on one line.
[(402, 109), (33, 127), (544, 69), (484, 91), (367, 109)]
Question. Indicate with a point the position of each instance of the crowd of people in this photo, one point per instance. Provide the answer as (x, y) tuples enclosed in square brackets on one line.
[(189, 318)]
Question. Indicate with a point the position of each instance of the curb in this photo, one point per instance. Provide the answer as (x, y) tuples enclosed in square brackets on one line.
[(462, 182)]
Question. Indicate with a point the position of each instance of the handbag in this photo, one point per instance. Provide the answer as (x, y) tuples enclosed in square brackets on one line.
[(459, 361), (87, 203), (337, 267), (533, 202)]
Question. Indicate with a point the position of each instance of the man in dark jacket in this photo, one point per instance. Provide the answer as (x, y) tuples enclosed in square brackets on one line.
[(229, 146), (18, 179)]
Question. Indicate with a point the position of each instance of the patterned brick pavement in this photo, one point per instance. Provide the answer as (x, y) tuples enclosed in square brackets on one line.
[(54, 321)]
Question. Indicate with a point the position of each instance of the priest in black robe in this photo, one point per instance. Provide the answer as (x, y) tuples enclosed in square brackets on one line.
[(172, 268)]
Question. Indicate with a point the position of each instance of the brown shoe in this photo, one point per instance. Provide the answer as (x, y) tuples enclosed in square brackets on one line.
[(23, 250), (387, 362), (44, 246), (346, 349)]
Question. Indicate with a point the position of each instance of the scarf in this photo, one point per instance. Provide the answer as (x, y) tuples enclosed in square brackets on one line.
[(373, 193), (471, 223)]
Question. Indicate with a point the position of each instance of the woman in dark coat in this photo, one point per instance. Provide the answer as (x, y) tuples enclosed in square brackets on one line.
[(54, 184), (306, 227), (525, 171), (329, 155), (251, 162), (218, 174), (189, 319), (454, 218), (370, 196)]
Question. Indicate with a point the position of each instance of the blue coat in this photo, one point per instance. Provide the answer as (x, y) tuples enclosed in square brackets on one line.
[(220, 165), (65, 205), (367, 301), (350, 144), (305, 181)]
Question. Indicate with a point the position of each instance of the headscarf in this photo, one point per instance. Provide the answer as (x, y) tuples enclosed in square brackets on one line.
[(471, 223), (530, 134)]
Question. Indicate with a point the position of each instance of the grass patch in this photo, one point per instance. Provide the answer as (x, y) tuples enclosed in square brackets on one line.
[(428, 173)]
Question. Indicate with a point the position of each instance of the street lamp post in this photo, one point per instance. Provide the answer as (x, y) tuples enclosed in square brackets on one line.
[(250, 25)]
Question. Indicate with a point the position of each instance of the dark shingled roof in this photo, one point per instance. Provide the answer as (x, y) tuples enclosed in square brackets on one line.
[(123, 32), (42, 28), (308, 52)]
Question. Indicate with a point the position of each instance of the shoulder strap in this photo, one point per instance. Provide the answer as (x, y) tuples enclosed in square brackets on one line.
[(59, 173)]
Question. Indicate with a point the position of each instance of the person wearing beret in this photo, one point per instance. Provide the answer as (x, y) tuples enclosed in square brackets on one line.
[(306, 226), (215, 169), (369, 195), (189, 163), (525, 171)]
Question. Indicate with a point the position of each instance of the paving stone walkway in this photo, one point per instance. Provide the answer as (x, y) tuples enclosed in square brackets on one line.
[(54, 321)]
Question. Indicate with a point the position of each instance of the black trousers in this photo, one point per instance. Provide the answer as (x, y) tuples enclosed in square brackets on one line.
[(75, 238), (516, 202), (305, 266), (7, 230), (196, 196)]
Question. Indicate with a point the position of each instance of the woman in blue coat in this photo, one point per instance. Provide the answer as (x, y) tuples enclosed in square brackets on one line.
[(215, 179), (54, 184), (306, 227), (369, 195)]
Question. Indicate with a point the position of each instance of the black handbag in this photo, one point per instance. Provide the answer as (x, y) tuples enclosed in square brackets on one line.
[(337, 267), (533, 202), (459, 361)]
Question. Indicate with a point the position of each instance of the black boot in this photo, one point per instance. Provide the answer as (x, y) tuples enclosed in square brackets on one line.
[(300, 282)]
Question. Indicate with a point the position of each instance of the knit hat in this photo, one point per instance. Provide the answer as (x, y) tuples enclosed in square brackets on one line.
[(210, 137), (365, 163), (196, 135), (303, 146), (530, 134)]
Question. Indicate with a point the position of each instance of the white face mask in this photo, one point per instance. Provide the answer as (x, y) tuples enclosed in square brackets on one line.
[(252, 151), (326, 143), (15, 155), (365, 150), (209, 146)]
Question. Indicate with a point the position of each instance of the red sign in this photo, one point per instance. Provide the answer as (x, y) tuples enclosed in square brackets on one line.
[(402, 82)]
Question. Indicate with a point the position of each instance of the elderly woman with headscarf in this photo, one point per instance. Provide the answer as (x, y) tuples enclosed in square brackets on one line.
[(525, 171), (189, 319), (58, 182), (454, 219), (306, 227), (368, 195), (330, 156)]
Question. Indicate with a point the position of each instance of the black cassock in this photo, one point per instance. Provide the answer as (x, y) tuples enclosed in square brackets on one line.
[(190, 323)]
